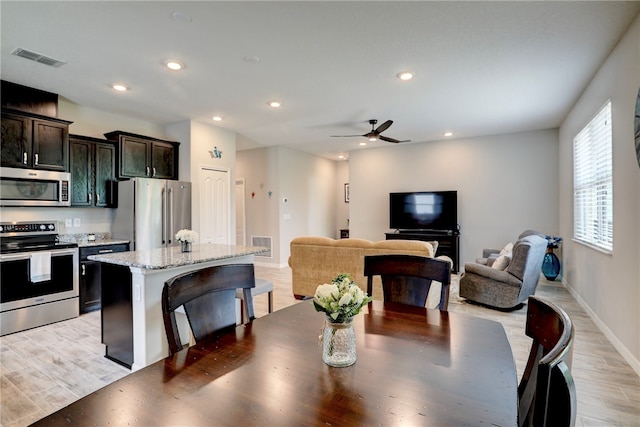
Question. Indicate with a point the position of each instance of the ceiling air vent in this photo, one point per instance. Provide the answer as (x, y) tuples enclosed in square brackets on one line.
[(28, 54)]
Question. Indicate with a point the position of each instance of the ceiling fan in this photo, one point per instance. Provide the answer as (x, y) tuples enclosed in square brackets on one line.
[(375, 132)]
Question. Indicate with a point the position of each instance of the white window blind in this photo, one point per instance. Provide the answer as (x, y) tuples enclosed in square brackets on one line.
[(593, 182)]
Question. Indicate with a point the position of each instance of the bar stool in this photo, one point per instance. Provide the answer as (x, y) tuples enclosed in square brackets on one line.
[(262, 286)]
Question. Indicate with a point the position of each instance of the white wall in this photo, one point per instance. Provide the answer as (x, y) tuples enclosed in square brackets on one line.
[(342, 208), (505, 184), (259, 168), (196, 140), (306, 182), (608, 285)]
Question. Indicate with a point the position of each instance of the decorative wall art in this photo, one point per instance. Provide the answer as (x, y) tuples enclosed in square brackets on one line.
[(346, 193), (215, 153)]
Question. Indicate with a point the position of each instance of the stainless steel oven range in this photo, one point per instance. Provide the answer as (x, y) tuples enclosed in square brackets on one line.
[(38, 276)]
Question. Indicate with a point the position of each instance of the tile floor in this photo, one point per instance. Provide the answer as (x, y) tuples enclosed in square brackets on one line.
[(45, 369)]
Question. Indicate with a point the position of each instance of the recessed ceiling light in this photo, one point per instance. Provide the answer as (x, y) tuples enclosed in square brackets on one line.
[(405, 75), (174, 65), (274, 104), (216, 118), (120, 87), (252, 59), (448, 134), (180, 17), (341, 156), (362, 144)]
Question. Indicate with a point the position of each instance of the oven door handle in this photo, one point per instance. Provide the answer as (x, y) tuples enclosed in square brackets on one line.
[(27, 255)]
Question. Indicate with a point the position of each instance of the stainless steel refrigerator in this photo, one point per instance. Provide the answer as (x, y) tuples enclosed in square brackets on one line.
[(151, 211)]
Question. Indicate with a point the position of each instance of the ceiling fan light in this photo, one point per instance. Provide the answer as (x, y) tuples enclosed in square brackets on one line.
[(373, 138)]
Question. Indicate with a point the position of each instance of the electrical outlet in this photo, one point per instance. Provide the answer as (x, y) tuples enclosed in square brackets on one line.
[(76, 222), (68, 222)]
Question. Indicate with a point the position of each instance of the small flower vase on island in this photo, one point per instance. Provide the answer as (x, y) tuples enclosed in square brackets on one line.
[(186, 239), (550, 262), (340, 301)]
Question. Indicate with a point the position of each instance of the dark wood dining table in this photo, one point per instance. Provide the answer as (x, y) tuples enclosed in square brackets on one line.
[(414, 366)]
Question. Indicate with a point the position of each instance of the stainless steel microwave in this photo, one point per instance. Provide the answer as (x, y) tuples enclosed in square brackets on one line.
[(30, 187)]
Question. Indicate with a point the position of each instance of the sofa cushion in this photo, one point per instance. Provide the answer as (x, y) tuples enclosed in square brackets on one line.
[(501, 262), (508, 248)]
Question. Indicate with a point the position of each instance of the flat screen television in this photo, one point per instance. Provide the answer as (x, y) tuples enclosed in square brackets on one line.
[(424, 210)]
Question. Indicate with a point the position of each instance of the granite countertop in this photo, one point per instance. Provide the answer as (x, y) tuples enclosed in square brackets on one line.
[(158, 259), (102, 242), (82, 239)]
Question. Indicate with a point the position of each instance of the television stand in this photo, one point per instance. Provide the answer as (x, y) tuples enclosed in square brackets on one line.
[(448, 241)]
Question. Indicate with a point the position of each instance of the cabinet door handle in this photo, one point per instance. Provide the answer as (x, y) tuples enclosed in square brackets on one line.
[(97, 197), (105, 251), (154, 172), (24, 158), (148, 170), (36, 159), (84, 270), (89, 197)]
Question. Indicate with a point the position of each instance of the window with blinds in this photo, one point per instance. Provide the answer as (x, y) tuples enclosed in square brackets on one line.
[(593, 182)]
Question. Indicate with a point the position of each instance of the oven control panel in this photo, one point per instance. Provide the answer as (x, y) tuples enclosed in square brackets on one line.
[(28, 227)]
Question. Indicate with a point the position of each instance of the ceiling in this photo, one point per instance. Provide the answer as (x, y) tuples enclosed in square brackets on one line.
[(481, 68)]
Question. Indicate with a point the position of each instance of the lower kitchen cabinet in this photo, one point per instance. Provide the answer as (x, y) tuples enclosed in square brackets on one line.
[(90, 275)]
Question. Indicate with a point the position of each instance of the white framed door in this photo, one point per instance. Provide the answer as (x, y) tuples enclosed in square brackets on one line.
[(241, 229), (215, 206)]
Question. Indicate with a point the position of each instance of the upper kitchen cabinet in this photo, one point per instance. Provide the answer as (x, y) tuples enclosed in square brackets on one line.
[(92, 170), (143, 156), (34, 141)]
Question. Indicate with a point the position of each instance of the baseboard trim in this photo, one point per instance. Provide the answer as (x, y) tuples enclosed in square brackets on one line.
[(617, 344), (269, 264)]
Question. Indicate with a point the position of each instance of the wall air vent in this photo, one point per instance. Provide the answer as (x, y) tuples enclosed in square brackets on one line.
[(28, 54), (263, 242)]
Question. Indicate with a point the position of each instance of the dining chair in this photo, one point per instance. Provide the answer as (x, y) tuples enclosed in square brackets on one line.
[(407, 279), (547, 392), (262, 286), (209, 300)]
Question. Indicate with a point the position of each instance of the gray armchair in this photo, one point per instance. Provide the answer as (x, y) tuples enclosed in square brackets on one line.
[(512, 286)]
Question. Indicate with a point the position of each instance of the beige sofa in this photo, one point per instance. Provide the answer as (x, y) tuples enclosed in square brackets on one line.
[(317, 260)]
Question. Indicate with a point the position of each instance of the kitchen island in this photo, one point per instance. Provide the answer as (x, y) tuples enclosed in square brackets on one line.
[(132, 326)]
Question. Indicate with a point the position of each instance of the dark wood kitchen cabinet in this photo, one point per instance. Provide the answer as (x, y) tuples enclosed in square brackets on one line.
[(90, 275), (92, 171), (34, 141), (143, 156)]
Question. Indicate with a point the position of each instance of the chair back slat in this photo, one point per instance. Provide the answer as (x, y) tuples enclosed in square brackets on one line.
[(546, 393), (407, 279), (208, 298)]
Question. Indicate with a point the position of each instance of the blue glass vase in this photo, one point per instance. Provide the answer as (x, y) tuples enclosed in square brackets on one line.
[(550, 265)]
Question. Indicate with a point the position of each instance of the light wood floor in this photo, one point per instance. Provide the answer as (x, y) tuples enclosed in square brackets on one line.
[(45, 369)]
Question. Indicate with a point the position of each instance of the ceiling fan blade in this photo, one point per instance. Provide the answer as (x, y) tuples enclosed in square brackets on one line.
[(395, 141), (384, 126), (343, 136)]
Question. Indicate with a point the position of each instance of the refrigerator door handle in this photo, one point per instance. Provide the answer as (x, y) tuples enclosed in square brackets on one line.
[(170, 213), (163, 219)]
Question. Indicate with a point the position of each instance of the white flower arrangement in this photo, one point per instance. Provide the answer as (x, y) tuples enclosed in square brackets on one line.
[(341, 299), (186, 236)]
